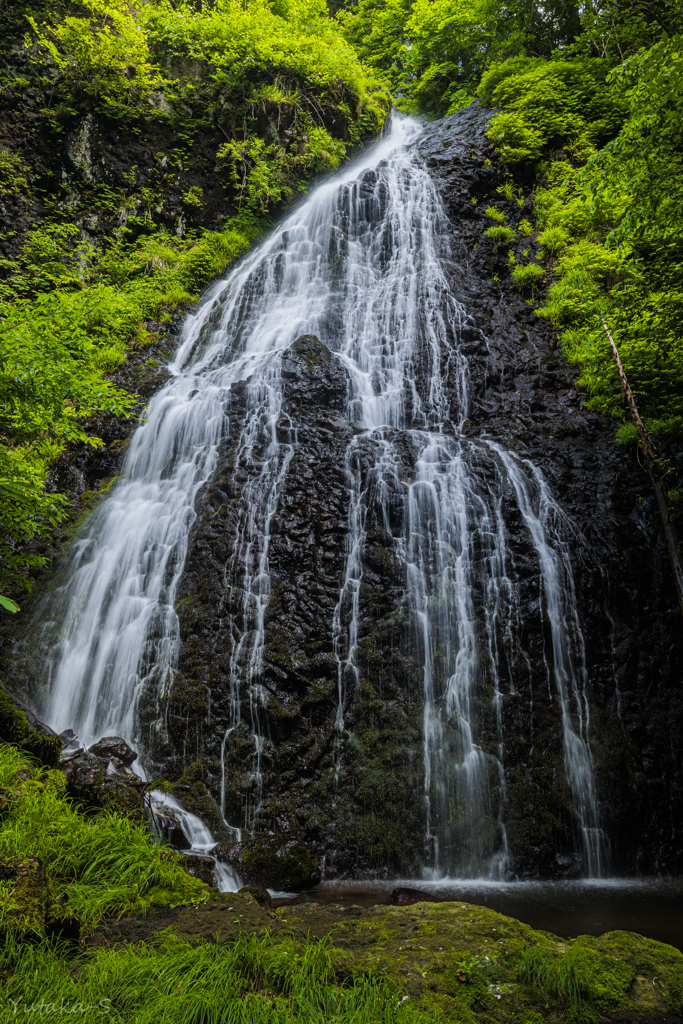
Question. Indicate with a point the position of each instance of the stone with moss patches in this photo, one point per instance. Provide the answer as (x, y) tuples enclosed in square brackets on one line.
[(195, 797), (89, 784), (278, 862), (27, 899), (457, 962), (15, 728)]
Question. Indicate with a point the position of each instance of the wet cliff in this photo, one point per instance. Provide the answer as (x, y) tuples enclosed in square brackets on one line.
[(359, 799), (325, 738)]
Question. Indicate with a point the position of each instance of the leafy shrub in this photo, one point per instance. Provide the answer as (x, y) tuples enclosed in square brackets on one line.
[(500, 234), (527, 277), (549, 103)]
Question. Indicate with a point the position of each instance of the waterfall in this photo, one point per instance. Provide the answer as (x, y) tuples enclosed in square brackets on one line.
[(363, 263), (198, 836)]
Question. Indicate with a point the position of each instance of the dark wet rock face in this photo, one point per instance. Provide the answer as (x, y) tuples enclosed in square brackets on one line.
[(279, 862), (95, 781), (354, 799), (361, 808), (115, 749)]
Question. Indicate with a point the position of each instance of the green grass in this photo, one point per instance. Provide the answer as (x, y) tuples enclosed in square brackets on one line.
[(251, 981), (97, 865)]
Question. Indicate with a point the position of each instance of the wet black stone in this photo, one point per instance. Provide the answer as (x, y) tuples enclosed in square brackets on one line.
[(274, 862), (115, 749)]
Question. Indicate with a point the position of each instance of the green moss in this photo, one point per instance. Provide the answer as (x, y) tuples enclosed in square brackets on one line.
[(97, 864), (27, 899), (15, 728), (289, 867), (194, 795)]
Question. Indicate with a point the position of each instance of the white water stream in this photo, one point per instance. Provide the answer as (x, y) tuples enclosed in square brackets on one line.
[(362, 263)]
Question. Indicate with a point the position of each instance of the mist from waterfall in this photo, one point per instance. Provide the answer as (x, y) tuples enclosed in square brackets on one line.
[(363, 263)]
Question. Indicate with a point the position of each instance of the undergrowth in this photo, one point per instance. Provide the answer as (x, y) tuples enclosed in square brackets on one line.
[(602, 140), (97, 865), (254, 980), (58, 343)]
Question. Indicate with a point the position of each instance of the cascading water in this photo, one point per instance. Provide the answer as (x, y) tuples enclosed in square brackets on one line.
[(362, 263), (198, 836)]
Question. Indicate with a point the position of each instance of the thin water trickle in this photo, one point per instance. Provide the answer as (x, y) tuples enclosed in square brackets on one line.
[(199, 837), (362, 263)]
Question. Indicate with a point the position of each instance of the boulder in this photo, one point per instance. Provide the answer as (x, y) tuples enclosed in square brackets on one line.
[(30, 902), (113, 748), (94, 782), (405, 897), (199, 866), (20, 726), (259, 893), (167, 823), (277, 862)]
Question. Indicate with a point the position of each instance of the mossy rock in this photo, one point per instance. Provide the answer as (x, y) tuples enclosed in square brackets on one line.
[(16, 729), (277, 862), (456, 962), (26, 896), (89, 785), (194, 795)]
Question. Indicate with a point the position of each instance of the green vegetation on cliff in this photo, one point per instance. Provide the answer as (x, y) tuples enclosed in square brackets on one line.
[(588, 103), (93, 248), (58, 863)]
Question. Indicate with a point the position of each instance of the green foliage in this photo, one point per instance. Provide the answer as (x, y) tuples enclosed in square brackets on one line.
[(433, 52), (113, 53), (102, 52), (549, 103), (527, 277), (101, 865), (15, 729), (620, 223), (254, 979), (493, 213), (554, 240), (57, 344), (500, 234), (12, 175)]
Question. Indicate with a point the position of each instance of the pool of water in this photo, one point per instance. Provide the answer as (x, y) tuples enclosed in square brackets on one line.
[(651, 906)]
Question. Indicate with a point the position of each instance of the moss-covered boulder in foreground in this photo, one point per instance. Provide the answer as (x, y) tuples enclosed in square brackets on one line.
[(456, 962)]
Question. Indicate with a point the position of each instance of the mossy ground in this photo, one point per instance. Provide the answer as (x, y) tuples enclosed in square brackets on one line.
[(455, 961)]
